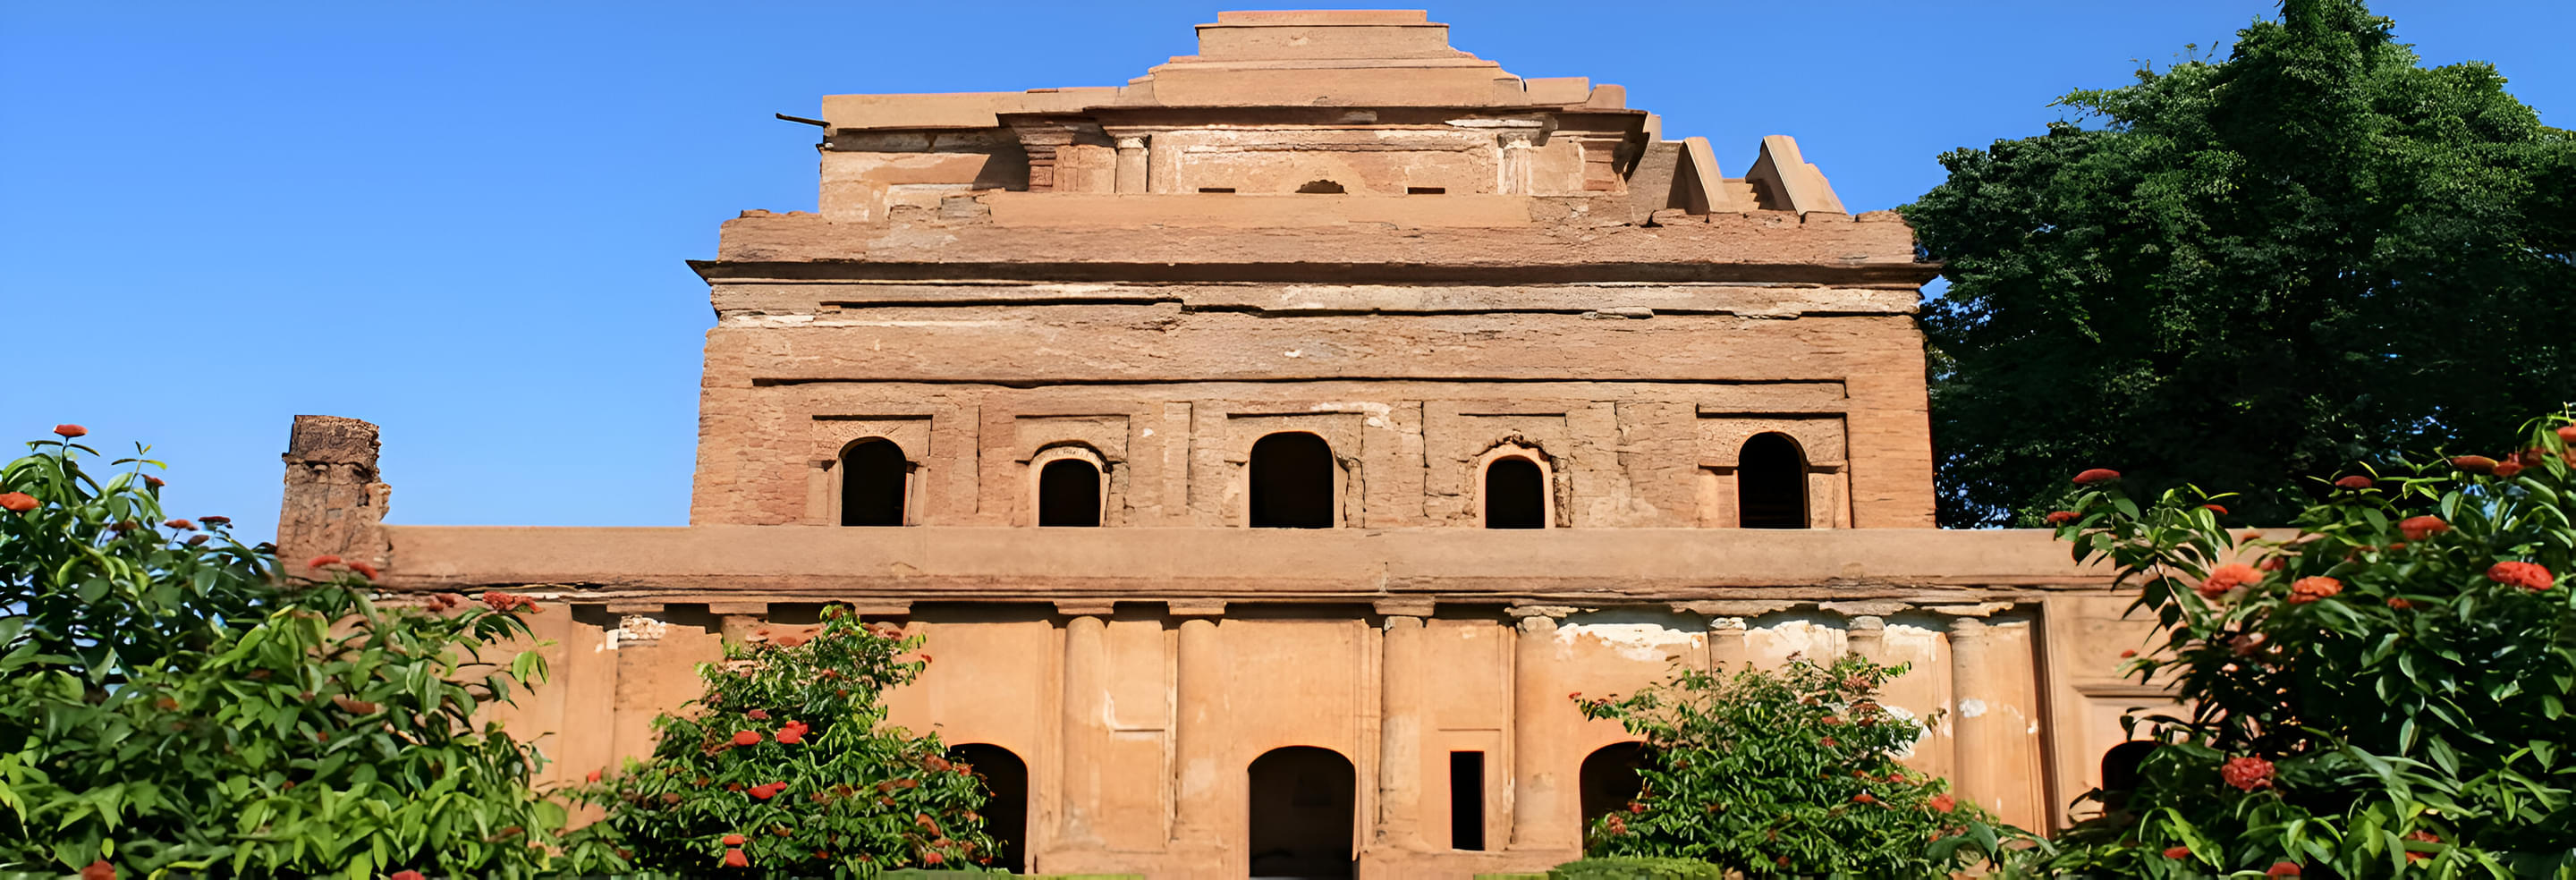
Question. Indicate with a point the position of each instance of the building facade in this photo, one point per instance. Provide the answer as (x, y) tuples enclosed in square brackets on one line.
[(1267, 447)]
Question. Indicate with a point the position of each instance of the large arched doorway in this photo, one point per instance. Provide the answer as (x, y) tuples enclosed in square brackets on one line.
[(1302, 814), (1006, 807), (873, 477), (1609, 780), (1771, 483), (1292, 482)]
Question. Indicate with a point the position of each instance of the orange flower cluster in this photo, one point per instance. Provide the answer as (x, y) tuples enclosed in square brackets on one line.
[(2247, 774), (17, 502), (2096, 476), (2310, 589), (793, 733), (505, 602), (2228, 577), (2418, 528), (2062, 517), (2528, 575)]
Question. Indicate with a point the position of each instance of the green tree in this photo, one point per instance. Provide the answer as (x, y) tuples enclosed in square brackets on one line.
[(168, 709), (787, 767), (2250, 272), (1786, 773), (2383, 694)]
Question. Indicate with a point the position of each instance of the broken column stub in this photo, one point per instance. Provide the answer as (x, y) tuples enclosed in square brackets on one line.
[(334, 502)]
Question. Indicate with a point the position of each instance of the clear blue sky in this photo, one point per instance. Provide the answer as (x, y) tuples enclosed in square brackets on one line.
[(465, 221)]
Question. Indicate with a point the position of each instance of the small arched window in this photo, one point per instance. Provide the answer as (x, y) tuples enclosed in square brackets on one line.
[(1069, 493), (1292, 479), (1771, 483), (874, 476), (1608, 781), (1515, 494)]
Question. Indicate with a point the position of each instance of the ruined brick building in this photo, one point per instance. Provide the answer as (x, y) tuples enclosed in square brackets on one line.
[(1267, 446)]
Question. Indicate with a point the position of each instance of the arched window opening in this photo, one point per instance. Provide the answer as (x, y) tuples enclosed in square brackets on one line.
[(1292, 482), (1609, 780), (873, 477), (1302, 805), (1771, 483), (2120, 774), (1068, 493), (1006, 803), (1515, 494)]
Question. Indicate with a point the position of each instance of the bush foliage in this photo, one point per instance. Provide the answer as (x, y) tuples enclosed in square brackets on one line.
[(2384, 693), (1790, 772), (787, 766), (167, 708)]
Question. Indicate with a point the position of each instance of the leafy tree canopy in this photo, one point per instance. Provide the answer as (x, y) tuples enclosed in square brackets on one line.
[(2250, 272)]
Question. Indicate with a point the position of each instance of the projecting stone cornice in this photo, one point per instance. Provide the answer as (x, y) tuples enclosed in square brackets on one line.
[(1326, 239), (1589, 567)]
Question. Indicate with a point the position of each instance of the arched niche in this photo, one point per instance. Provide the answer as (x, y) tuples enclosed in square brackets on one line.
[(1068, 486), (1292, 482), (1771, 483), (1515, 488), (1608, 779), (873, 478)]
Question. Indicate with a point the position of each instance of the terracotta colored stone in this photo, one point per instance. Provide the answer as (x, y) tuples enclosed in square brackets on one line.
[(1326, 223)]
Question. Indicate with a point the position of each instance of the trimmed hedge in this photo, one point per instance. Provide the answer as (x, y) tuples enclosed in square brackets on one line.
[(1636, 868)]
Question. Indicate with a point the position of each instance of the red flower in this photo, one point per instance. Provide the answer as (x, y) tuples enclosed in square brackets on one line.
[(791, 735), (735, 859), (765, 792), (2272, 563), (1944, 802), (154, 482), (2567, 433), (2476, 464), (932, 858), (2400, 604), (181, 524), (405, 874), (733, 840), (2063, 517), (757, 714), (2177, 852), (2418, 528), (2421, 837), (2096, 475), (2355, 481), (2221, 511), (325, 559), (1618, 824), (69, 432), (593, 777), (364, 570), (2310, 589), (746, 738), (17, 502), (1635, 807), (2228, 577), (2124, 655), (98, 870), (2527, 575), (2282, 869), (1863, 798), (2247, 774), (215, 520)]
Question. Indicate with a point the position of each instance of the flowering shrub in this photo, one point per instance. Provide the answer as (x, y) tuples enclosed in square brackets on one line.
[(2383, 693), (787, 767), (166, 708), (1790, 772)]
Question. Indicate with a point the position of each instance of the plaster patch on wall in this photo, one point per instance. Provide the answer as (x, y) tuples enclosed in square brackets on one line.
[(1802, 638), (1971, 707), (1651, 642), (1909, 643)]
